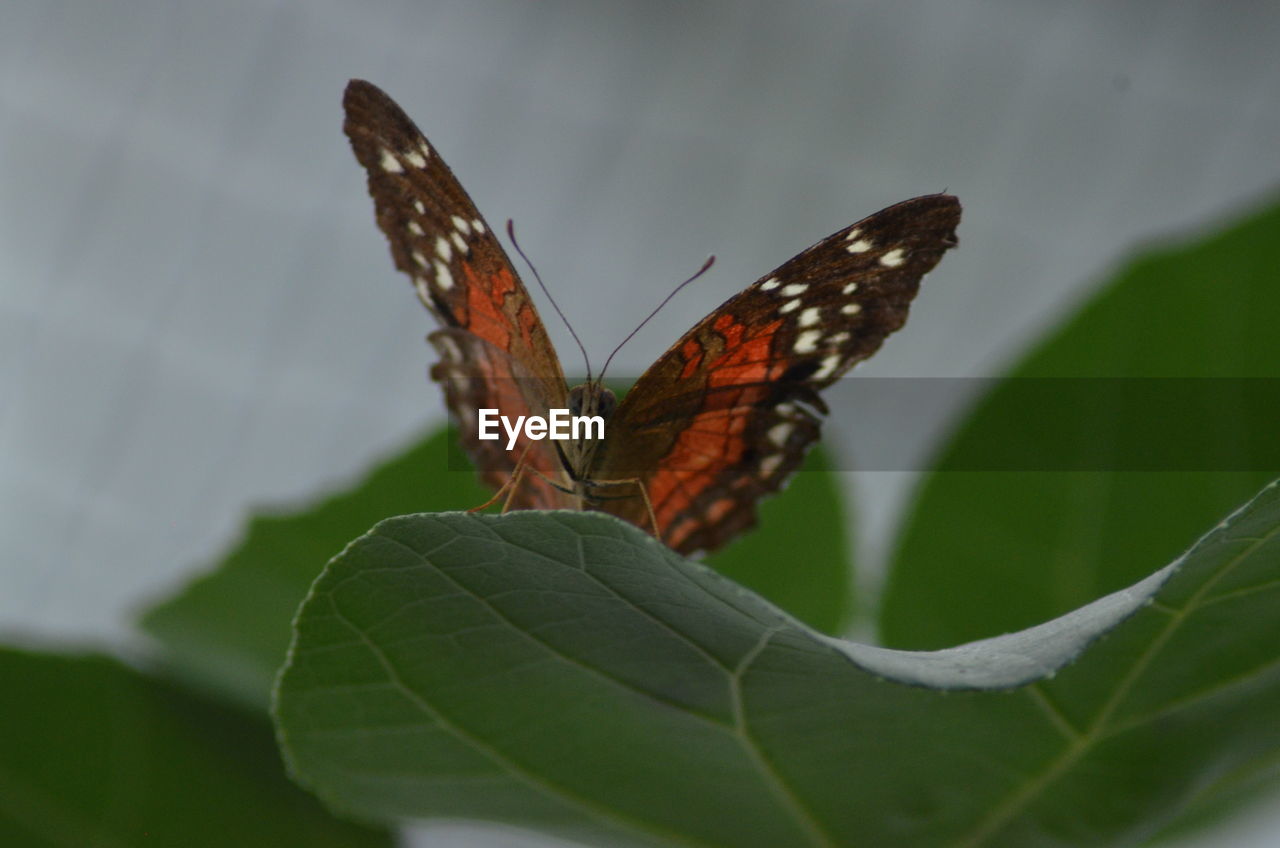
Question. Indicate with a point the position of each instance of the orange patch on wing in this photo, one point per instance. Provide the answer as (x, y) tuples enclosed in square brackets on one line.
[(678, 532), (713, 441), (692, 353), (528, 320), (486, 297), (744, 360), (724, 323), (719, 510), (670, 496)]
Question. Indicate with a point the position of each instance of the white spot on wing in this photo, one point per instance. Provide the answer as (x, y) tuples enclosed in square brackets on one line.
[(860, 246), (421, 260), (785, 409), (451, 349), (853, 234), (794, 289), (389, 162), (443, 278), (789, 305), (770, 284), (849, 288), (425, 148), (838, 338), (442, 248), (461, 224), (851, 308), (419, 208), (779, 433), (893, 258), (478, 226), (807, 342), (415, 159), (810, 316), (461, 244), (424, 294), (770, 464), (415, 228), (828, 367)]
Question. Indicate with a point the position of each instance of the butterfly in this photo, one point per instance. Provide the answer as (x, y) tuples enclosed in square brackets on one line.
[(721, 419)]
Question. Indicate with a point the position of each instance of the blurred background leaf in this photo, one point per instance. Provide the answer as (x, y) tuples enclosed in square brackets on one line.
[(800, 555), (93, 753), (228, 630), (986, 552)]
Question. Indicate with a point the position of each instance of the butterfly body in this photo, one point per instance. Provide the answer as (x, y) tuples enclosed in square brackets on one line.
[(589, 399), (720, 420)]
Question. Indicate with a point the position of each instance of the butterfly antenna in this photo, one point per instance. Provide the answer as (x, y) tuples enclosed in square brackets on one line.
[(705, 267), (511, 233)]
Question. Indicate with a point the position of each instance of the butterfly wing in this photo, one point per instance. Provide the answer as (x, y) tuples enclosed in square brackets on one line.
[(726, 415), (494, 350)]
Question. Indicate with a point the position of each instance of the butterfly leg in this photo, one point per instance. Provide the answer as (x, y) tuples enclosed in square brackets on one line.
[(509, 487), (521, 468), (493, 498), (513, 484)]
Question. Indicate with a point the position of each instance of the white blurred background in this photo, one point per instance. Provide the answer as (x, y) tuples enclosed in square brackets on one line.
[(197, 314)]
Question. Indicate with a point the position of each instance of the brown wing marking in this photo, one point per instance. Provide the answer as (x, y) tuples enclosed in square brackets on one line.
[(494, 349), (734, 402), (726, 415)]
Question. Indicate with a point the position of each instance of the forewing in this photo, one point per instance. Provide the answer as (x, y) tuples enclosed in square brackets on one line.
[(726, 415), (495, 352)]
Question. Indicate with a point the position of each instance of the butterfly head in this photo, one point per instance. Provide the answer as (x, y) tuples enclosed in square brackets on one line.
[(592, 398)]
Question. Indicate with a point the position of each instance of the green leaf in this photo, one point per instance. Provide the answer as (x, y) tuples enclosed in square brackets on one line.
[(991, 551), (564, 672), (809, 515), (228, 631), (94, 754)]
